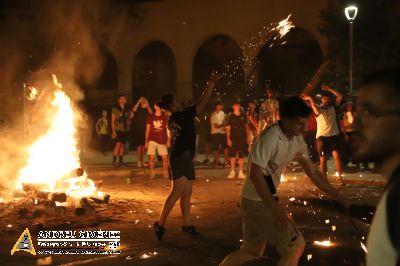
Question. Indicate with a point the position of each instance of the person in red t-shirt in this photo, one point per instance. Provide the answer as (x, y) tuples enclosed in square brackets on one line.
[(157, 139)]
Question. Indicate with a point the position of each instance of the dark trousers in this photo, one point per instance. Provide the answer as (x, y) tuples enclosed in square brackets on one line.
[(103, 140)]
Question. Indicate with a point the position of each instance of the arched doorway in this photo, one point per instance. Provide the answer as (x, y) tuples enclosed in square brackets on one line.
[(223, 54), (154, 72), (288, 67)]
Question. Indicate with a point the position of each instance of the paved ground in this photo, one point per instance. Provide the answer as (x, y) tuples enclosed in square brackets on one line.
[(136, 202)]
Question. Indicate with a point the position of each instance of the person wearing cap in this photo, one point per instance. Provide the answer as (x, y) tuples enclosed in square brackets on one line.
[(328, 138), (183, 144)]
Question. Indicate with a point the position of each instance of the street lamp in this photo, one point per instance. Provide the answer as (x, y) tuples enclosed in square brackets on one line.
[(351, 13)]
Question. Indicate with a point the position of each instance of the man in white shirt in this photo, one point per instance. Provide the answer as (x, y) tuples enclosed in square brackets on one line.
[(218, 133), (264, 219), (377, 139), (328, 138)]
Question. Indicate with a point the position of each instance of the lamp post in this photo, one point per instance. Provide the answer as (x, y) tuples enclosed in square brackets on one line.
[(351, 13)]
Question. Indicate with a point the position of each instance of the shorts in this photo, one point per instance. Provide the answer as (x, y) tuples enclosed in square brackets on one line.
[(182, 165), (138, 138), (154, 147), (259, 229), (239, 147), (122, 137), (326, 145), (219, 141), (209, 138)]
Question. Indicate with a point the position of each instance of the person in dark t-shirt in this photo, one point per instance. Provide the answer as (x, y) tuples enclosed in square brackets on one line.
[(237, 135), (183, 145), (138, 127)]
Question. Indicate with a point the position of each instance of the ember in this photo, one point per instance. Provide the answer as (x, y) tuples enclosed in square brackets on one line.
[(324, 243)]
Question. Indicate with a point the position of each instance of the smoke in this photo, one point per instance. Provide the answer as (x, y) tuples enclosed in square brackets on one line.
[(41, 38)]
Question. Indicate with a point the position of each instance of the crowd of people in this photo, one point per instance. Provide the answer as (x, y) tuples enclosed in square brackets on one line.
[(272, 134), (230, 131)]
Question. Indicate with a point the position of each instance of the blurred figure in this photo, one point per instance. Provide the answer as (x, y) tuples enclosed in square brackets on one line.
[(269, 110), (119, 126), (157, 139), (197, 125), (140, 112), (208, 140), (347, 127), (377, 139), (103, 131), (218, 133), (310, 137), (328, 138), (252, 119), (237, 135)]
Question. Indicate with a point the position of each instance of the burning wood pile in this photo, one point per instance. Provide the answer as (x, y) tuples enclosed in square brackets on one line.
[(77, 191), (52, 175)]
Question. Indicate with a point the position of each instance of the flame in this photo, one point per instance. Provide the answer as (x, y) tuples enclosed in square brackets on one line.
[(284, 26), (54, 156), (324, 243), (33, 93)]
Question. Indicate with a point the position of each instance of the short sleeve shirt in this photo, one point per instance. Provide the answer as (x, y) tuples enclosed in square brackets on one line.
[(237, 124), (326, 122), (273, 151), (121, 119), (139, 119), (183, 131), (219, 119), (158, 128)]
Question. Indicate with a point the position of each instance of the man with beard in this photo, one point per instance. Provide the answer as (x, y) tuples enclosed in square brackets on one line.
[(377, 139)]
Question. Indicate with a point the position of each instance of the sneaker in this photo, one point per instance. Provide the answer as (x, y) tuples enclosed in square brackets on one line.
[(216, 163), (226, 164), (139, 164), (232, 174), (241, 175), (165, 175), (152, 175), (122, 164), (159, 231), (189, 229), (206, 162), (145, 164)]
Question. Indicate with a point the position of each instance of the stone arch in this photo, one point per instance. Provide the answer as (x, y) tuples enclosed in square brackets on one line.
[(154, 71), (108, 79), (288, 67), (222, 53)]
